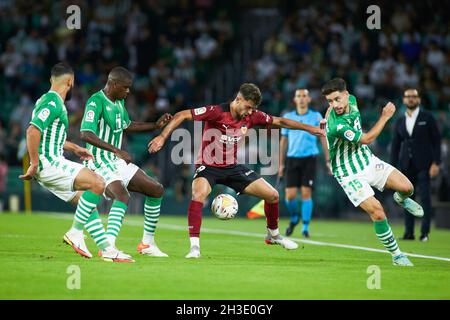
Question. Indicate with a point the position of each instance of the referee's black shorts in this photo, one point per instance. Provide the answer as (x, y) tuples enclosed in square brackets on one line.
[(300, 172), (237, 176)]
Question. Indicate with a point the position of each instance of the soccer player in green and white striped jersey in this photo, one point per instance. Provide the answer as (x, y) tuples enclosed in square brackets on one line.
[(46, 141), (357, 169), (104, 122)]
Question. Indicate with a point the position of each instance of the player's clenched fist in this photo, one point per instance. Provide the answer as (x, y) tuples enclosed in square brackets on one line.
[(30, 172), (123, 155), (156, 144), (388, 110)]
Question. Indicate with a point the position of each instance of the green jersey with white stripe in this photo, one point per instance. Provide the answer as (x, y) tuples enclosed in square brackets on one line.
[(107, 120), (50, 117), (344, 131)]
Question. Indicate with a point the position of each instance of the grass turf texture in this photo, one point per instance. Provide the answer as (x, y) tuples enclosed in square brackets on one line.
[(34, 262)]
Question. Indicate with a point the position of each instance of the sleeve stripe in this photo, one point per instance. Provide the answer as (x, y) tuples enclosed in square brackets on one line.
[(37, 126)]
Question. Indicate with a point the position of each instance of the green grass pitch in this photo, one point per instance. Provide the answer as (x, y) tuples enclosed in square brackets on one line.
[(235, 263)]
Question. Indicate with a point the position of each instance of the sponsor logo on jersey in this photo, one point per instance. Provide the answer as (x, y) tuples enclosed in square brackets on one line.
[(379, 166), (43, 115), (339, 126), (92, 103), (248, 172), (227, 139), (199, 111), (244, 129), (90, 116), (52, 103), (349, 135)]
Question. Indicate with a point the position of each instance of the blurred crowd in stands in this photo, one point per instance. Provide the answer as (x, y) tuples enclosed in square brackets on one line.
[(173, 46), (331, 39), (170, 46)]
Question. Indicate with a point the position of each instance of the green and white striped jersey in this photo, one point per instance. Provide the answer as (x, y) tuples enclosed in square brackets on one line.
[(107, 120), (50, 117), (347, 155)]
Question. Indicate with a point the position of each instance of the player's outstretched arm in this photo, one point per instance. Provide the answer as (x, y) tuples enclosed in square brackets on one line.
[(291, 124), (386, 114), (33, 141), (91, 138), (158, 142), (149, 126)]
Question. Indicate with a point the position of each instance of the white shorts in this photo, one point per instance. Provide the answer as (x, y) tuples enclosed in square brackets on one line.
[(117, 170), (59, 176), (358, 187)]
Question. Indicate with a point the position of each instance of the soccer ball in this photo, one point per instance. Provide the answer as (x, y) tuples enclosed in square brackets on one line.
[(224, 207)]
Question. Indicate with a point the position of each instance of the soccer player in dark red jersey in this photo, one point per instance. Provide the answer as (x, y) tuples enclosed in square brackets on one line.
[(225, 126)]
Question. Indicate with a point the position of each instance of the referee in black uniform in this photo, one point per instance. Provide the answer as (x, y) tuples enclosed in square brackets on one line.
[(416, 151)]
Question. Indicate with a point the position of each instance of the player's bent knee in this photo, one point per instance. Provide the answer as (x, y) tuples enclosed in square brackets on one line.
[(199, 195), (158, 191), (291, 194), (274, 197), (97, 185)]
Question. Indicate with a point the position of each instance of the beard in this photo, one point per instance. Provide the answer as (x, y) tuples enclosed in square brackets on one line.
[(412, 107), (69, 94)]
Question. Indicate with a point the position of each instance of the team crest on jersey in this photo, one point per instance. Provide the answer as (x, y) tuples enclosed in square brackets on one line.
[(43, 115), (244, 129), (199, 111), (349, 134), (90, 116)]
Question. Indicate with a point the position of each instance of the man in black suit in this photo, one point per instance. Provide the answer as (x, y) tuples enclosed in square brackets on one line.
[(416, 150)]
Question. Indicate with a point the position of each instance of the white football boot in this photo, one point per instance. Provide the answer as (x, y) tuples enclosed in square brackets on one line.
[(402, 260), (194, 253), (75, 239), (150, 250), (409, 205), (112, 254), (278, 239)]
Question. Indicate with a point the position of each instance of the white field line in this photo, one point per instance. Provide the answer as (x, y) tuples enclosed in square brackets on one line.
[(260, 235)]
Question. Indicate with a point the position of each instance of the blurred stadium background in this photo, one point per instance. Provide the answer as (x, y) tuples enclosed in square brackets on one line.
[(191, 53)]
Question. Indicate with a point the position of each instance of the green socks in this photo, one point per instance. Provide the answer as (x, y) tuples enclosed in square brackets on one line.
[(385, 235), (152, 209), (87, 203), (402, 196), (96, 230), (115, 219)]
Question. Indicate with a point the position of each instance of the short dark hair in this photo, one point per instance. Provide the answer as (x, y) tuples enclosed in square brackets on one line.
[(411, 88), (251, 92), (120, 74), (336, 84), (60, 69)]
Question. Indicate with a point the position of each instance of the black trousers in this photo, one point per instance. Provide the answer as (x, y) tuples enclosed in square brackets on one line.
[(421, 181)]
